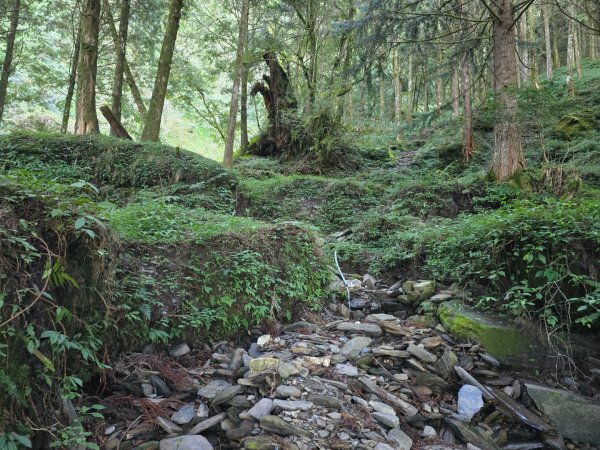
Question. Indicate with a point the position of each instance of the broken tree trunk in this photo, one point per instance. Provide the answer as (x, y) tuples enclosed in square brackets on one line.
[(280, 104), (115, 125)]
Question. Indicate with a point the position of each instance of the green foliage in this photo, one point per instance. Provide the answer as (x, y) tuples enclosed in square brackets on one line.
[(540, 252), (154, 222), (91, 273)]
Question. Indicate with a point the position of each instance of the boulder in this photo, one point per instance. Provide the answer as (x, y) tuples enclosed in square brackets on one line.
[(500, 338), (574, 417), (186, 442), (425, 289)]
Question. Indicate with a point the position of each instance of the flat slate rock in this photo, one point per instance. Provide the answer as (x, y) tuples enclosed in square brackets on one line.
[(366, 328), (279, 426), (212, 389), (575, 417), (208, 423)]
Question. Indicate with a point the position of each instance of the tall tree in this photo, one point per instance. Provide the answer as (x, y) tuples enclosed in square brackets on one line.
[(244, 109), (72, 76), (153, 117), (233, 107), (133, 87), (121, 51), (397, 87), (548, 43), (468, 141), (7, 66), (411, 90), (86, 119), (508, 151)]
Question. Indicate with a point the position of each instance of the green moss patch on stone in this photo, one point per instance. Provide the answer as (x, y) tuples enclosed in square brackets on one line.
[(499, 338)]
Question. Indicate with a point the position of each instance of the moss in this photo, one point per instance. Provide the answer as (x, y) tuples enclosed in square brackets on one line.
[(105, 160), (329, 204), (574, 125), (501, 340)]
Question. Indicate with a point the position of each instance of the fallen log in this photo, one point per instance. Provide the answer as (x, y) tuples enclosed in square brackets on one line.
[(116, 126)]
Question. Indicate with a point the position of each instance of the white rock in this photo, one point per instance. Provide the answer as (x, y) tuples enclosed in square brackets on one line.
[(263, 340), (346, 369), (470, 401), (428, 432), (261, 409)]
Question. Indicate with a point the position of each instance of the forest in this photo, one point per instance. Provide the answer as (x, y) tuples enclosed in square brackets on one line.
[(300, 224)]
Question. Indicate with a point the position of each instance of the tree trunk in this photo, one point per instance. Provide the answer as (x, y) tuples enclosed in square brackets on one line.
[(411, 90), (455, 93), (523, 52), (151, 130), (397, 87), (508, 151), (555, 52), (244, 110), (86, 119), (135, 91), (548, 42), (578, 52), (121, 51), (72, 80), (571, 58), (280, 105), (381, 92), (533, 56), (8, 54), (228, 156), (468, 142)]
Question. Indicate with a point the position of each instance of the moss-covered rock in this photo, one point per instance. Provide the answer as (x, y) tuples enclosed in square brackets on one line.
[(500, 338), (574, 125)]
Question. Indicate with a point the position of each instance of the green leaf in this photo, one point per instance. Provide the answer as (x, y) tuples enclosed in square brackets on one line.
[(80, 223), (23, 440)]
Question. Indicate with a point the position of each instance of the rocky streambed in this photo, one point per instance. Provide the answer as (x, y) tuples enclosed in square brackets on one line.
[(373, 375)]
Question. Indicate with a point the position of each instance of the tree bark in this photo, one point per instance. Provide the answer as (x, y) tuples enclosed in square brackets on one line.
[(555, 52), (133, 87), (468, 141), (7, 67), (397, 87), (381, 92), (523, 53), (571, 58), (86, 119), (455, 93), (280, 105), (533, 56), (548, 42), (153, 118), (72, 80), (115, 124), (244, 110), (411, 90), (508, 151), (121, 51), (228, 156), (578, 52)]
